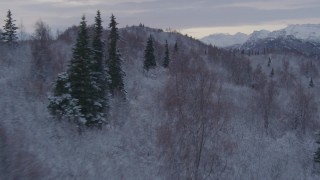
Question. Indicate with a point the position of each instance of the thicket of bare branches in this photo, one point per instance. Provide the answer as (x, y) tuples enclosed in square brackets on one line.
[(16, 162), (197, 112), (303, 109)]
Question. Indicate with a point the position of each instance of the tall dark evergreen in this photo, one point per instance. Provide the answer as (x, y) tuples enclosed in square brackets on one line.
[(98, 74), (9, 34), (114, 60), (176, 48), (79, 73), (316, 157), (269, 62), (80, 94), (149, 58), (272, 73), (166, 60), (311, 84)]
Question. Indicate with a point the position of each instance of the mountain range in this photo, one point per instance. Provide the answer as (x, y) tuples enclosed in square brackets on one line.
[(303, 32)]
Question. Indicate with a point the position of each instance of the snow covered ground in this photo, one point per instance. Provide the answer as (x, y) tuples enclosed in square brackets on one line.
[(34, 146)]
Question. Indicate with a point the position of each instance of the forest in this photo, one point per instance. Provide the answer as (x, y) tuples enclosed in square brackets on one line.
[(102, 102)]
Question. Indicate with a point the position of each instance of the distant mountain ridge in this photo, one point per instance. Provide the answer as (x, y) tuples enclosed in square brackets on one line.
[(224, 40), (304, 32)]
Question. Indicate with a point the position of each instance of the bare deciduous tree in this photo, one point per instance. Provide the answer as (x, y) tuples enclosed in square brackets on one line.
[(303, 108), (42, 56), (287, 78), (309, 69), (196, 113), (267, 101), (16, 162), (259, 79)]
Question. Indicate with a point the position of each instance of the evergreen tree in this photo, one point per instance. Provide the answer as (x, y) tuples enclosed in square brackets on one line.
[(62, 105), (114, 60), (311, 83), (269, 62), (98, 75), (316, 157), (79, 73), (149, 58), (80, 94), (166, 56), (60, 101), (176, 48), (272, 73), (9, 34)]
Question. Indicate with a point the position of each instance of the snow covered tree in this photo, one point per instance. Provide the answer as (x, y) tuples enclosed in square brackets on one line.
[(62, 105), (149, 58), (316, 157), (81, 93), (72, 90), (98, 74), (311, 83), (60, 101), (42, 57), (9, 34), (176, 49), (269, 62), (80, 75), (303, 108), (286, 76), (114, 60), (166, 56), (272, 73), (267, 102), (258, 79)]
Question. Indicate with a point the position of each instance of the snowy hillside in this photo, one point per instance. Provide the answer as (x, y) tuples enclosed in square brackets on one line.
[(212, 114)]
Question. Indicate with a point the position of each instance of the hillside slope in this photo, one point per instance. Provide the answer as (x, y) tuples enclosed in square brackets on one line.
[(204, 117)]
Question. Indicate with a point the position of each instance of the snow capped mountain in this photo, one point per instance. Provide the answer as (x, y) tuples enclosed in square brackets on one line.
[(256, 35), (299, 39), (224, 40), (307, 32), (304, 32)]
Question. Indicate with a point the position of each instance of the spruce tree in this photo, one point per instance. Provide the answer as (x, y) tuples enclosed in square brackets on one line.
[(166, 56), (149, 58), (79, 73), (62, 105), (114, 60), (176, 49), (311, 83), (80, 94), (61, 91), (98, 75), (272, 73), (9, 34), (316, 157), (269, 62)]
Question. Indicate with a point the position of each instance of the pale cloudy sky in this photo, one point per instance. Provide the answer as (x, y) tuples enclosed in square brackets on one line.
[(194, 17)]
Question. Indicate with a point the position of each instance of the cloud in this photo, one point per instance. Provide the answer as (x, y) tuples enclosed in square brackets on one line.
[(177, 14)]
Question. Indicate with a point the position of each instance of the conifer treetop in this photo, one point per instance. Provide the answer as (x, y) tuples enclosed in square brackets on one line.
[(149, 58), (9, 34), (166, 56), (114, 60)]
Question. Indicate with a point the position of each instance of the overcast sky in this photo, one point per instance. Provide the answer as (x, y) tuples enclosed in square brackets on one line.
[(194, 17)]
